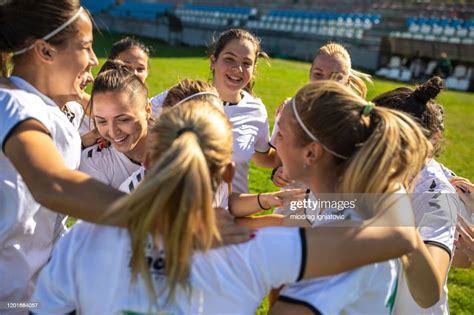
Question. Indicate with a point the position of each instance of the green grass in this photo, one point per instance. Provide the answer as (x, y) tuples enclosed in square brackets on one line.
[(282, 79)]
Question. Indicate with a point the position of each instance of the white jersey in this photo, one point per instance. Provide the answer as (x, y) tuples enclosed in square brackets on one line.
[(131, 183), (157, 103), (107, 165), (369, 289), (80, 120), (84, 277), (434, 204), (250, 132), (221, 197), (27, 229)]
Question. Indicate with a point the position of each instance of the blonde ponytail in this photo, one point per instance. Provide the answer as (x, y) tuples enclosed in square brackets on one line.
[(382, 148), (189, 146)]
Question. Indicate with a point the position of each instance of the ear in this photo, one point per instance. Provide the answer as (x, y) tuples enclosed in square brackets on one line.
[(314, 153), (44, 51), (229, 172), (148, 110), (213, 62)]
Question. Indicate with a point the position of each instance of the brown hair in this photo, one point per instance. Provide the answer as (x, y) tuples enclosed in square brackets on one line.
[(190, 146), (356, 78), (114, 76), (226, 37), (186, 88), (25, 21), (384, 148), (125, 44), (419, 103)]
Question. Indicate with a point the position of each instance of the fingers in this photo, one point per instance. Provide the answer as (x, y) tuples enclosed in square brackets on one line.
[(229, 231), (279, 179)]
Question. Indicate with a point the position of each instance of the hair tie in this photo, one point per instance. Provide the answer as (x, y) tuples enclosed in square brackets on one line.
[(185, 129), (368, 108), (53, 32)]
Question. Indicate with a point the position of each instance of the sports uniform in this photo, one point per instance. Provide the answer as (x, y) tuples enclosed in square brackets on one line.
[(366, 290), (157, 103), (250, 133), (81, 121), (82, 276), (435, 204), (27, 229), (107, 165), (221, 197)]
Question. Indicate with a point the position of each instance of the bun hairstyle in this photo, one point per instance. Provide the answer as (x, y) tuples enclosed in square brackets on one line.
[(419, 103)]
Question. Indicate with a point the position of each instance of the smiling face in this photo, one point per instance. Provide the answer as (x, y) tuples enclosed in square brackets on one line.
[(122, 123), (71, 70), (289, 147), (136, 60), (327, 67), (233, 68)]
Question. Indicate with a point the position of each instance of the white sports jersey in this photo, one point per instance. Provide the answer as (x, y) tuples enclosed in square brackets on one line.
[(366, 290), (221, 197), (434, 204), (157, 103), (132, 181), (85, 277), (27, 229), (81, 121), (107, 165), (250, 132)]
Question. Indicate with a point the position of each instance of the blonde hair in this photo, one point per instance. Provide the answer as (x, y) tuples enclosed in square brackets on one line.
[(190, 146), (384, 147), (356, 78), (186, 88)]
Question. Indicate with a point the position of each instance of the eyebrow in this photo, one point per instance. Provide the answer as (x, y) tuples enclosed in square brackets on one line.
[(118, 116), (89, 41), (231, 53)]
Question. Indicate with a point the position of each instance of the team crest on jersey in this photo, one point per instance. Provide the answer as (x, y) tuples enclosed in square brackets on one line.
[(155, 259)]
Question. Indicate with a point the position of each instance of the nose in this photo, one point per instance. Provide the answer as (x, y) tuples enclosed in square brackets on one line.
[(93, 58), (113, 130)]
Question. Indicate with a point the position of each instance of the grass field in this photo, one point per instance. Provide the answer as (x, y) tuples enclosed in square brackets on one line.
[(282, 79)]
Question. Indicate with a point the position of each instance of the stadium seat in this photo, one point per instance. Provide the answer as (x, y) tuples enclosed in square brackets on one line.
[(392, 70), (460, 79)]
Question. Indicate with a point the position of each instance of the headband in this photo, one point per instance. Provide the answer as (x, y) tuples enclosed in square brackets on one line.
[(195, 95), (54, 32), (306, 130)]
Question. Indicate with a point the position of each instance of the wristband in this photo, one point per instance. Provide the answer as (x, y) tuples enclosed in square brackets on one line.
[(260, 204)]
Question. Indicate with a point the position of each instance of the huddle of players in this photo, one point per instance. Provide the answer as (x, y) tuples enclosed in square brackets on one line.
[(185, 152)]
